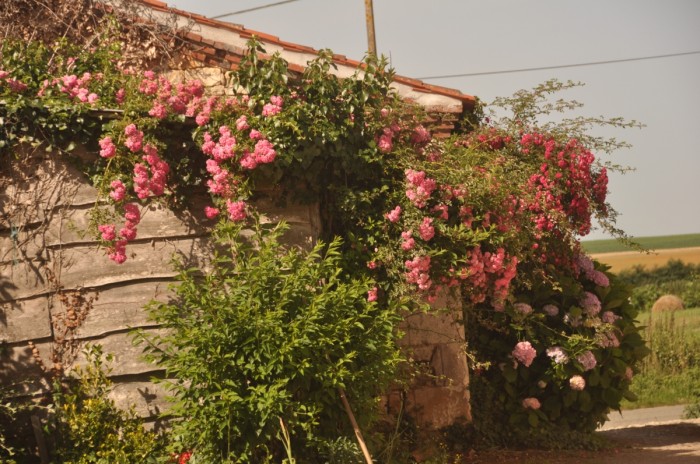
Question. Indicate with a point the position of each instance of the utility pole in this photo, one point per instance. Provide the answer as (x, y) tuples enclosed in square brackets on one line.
[(369, 14)]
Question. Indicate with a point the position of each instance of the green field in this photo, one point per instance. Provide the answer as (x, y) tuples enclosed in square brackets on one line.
[(651, 243), (671, 374)]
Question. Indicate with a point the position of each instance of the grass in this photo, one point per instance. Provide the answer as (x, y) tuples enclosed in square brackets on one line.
[(652, 243), (671, 374)]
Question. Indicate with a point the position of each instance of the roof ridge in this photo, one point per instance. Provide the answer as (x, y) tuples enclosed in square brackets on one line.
[(415, 84)]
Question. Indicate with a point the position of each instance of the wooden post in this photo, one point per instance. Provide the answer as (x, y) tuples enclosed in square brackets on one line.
[(371, 40), (356, 428)]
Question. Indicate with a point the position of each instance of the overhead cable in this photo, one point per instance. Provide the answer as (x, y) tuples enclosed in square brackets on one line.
[(575, 65), (248, 10)]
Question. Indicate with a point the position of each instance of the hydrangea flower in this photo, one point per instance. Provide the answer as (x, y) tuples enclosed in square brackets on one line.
[(577, 383), (524, 353)]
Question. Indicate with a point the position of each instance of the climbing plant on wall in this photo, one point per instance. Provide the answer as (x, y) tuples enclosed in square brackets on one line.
[(492, 215)]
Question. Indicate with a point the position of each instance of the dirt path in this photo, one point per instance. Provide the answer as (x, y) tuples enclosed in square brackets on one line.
[(656, 443)]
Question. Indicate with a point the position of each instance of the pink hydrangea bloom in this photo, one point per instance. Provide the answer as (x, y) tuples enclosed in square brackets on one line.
[(609, 317), (577, 383), (550, 310), (557, 354), (524, 353), (531, 403), (255, 134), (590, 304), (599, 278), (587, 360), (523, 308)]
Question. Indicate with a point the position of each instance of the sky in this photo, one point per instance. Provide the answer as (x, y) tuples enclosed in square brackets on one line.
[(445, 37)]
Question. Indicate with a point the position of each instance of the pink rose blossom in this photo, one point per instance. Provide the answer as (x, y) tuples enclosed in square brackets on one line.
[(211, 212), (108, 149), (236, 210), (118, 190), (242, 123), (408, 240), (394, 214), (128, 233), (108, 232), (426, 230), (372, 294)]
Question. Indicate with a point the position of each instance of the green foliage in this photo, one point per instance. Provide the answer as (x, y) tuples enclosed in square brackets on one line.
[(90, 429), (492, 216), (271, 332), (8, 411), (674, 278), (563, 410), (670, 374)]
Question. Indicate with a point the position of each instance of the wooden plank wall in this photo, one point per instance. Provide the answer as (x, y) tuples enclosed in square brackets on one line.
[(48, 266)]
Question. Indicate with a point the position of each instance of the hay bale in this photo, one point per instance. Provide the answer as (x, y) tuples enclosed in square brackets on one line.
[(668, 303)]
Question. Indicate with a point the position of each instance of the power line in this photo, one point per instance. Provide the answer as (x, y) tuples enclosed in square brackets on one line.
[(262, 7), (541, 68)]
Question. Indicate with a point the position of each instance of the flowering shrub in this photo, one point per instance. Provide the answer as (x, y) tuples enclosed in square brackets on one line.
[(270, 333), (492, 215)]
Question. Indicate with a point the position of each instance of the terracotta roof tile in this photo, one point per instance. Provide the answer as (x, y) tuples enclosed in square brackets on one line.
[(417, 85)]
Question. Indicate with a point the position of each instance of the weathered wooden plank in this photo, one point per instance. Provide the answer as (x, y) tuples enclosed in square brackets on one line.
[(37, 186), (24, 320), (146, 398), (128, 358), (23, 279), (88, 266), (122, 307), (20, 372)]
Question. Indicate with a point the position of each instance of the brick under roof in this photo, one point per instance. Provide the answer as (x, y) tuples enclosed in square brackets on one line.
[(221, 44)]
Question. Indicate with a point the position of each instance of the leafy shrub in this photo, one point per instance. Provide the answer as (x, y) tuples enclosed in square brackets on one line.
[(271, 332), (598, 352), (88, 428), (676, 278)]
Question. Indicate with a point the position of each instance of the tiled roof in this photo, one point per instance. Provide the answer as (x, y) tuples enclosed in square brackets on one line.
[(221, 44)]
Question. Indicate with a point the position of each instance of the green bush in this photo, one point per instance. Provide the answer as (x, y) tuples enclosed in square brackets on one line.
[(88, 428), (501, 415), (675, 278), (271, 332)]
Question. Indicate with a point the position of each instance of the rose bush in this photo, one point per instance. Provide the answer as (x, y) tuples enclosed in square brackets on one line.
[(493, 215)]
